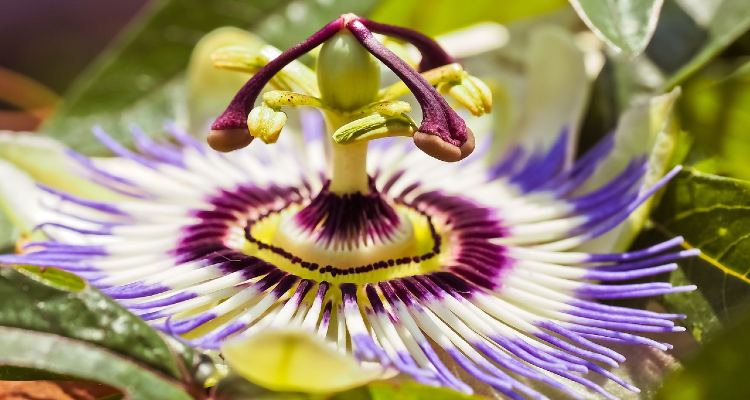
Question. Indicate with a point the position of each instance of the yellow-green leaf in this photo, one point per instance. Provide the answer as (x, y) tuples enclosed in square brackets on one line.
[(712, 213), (295, 361)]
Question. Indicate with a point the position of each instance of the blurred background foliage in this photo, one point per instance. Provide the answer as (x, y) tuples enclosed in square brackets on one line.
[(116, 62)]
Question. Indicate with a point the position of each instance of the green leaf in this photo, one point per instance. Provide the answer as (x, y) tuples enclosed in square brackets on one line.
[(718, 371), (625, 25), (702, 305), (712, 213), (139, 80), (61, 355), (56, 278), (53, 301)]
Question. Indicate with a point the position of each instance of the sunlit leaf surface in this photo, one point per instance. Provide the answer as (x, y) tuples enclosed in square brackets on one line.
[(60, 303), (438, 16)]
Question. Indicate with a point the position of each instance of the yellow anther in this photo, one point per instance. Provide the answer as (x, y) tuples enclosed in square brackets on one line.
[(283, 98), (389, 108), (266, 123), (295, 76), (445, 74), (470, 92)]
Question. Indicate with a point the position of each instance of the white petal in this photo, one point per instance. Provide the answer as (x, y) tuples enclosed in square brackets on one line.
[(646, 129), (44, 159), (557, 91), (18, 198)]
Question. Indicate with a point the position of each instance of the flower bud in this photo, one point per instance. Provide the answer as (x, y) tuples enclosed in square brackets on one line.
[(348, 75)]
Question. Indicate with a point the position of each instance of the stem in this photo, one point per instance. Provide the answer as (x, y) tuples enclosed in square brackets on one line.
[(348, 165)]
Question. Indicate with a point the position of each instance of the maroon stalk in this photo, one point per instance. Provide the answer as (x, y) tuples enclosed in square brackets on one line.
[(433, 55), (229, 130)]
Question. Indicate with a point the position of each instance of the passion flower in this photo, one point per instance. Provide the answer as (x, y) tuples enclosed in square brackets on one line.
[(387, 252)]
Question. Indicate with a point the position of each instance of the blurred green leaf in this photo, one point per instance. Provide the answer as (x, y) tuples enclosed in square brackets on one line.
[(438, 16), (712, 213), (702, 306), (139, 80), (56, 278), (61, 355), (235, 387), (688, 35), (625, 25), (11, 373), (718, 371), (692, 33), (403, 391), (716, 111), (8, 234), (53, 301)]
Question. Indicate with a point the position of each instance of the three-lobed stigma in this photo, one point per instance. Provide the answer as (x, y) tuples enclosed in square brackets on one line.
[(347, 89)]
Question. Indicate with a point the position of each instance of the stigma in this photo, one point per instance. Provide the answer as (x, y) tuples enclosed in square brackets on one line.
[(348, 79)]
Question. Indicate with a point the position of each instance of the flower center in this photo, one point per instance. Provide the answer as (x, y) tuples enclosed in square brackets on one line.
[(357, 238)]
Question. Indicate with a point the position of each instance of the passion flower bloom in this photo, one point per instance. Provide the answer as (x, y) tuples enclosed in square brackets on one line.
[(386, 249)]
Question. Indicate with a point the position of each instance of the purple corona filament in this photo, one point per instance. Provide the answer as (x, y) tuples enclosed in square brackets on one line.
[(352, 218), (438, 271)]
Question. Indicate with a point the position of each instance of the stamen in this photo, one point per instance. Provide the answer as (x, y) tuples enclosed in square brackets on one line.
[(442, 134)]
